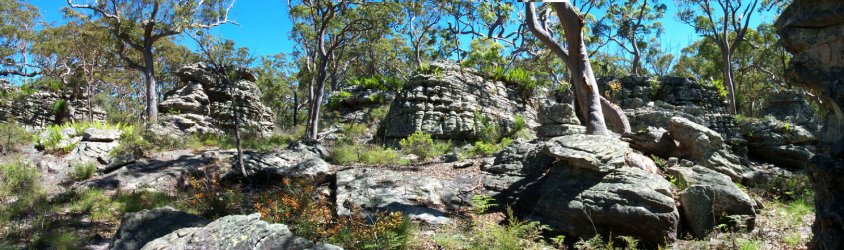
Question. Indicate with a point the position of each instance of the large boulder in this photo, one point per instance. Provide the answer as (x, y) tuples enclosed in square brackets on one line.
[(706, 147), (813, 31), (204, 104), (583, 185), (447, 100), (296, 161), (235, 232), (139, 228), (429, 199), (163, 171), (709, 194), (783, 143)]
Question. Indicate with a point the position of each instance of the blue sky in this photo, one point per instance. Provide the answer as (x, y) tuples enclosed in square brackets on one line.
[(264, 27)]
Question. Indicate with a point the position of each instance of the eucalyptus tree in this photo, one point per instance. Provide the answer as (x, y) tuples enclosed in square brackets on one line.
[(576, 58), (632, 25), (725, 22), (139, 25), (79, 55), (18, 20), (421, 26), (324, 28)]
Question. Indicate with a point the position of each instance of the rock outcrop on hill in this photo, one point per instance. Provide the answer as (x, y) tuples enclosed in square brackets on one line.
[(813, 32), (43, 107), (447, 101), (139, 228), (204, 104)]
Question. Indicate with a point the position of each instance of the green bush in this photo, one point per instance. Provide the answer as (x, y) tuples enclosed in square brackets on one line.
[(419, 144), (56, 134), (481, 148), (337, 98), (487, 130), (365, 154), (82, 170), (98, 204), (19, 178), (12, 137)]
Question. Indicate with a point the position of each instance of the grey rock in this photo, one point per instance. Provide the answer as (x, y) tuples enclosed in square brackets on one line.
[(625, 201), (235, 232), (203, 104), (87, 151), (581, 185), (790, 105), (554, 130), (445, 105), (782, 143), (101, 135), (164, 172), (813, 32), (451, 157), (698, 203), (593, 152), (36, 111), (551, 112), (293, 162), (139, 228), (706, 147), (422, 198), (515, 170), (652, 140), (728, 199)]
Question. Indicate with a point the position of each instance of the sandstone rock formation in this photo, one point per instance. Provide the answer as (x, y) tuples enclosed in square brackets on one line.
[(654, 101), (37, 109), (422, 198), (581, 185), (139, 228), (706, 147), (296, 161), (235, 232), (557, 119), (203, 104), (446, 102), (709, 198), (813, 32)]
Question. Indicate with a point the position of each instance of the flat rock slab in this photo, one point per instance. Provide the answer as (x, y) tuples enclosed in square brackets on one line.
[(139, 228), (419, 197), (235, 232)]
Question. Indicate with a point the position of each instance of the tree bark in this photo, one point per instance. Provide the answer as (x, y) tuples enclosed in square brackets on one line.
[(151, 91), (728, 82), (615, 116), (578, 64)]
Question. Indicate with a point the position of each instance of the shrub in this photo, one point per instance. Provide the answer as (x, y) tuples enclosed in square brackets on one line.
[(487, 129), (482, 203), (419, 144), (354, 131), (344, 155), (209, 198), (337, 98), (516, 234), (12, 137), (19, 178), (311, 217), (82, 170), (56, 135), (371, 155), (481, 148)]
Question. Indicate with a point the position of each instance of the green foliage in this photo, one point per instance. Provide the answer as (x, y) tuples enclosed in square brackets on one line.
[(420, 144), (516, 234), (82, 170), (659, 161), (98, 204), (337, 98), (482, 203), (12, 137), (487, 130), (58, 137), (18, 178), (720, 88), (481, 148), (378, 82)]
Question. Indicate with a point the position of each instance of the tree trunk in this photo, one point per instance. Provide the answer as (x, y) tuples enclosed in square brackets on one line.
[(728, 82), (151, 92), (615, 116), (578, 64), (295, 109), (90, 105), (316, 103)]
